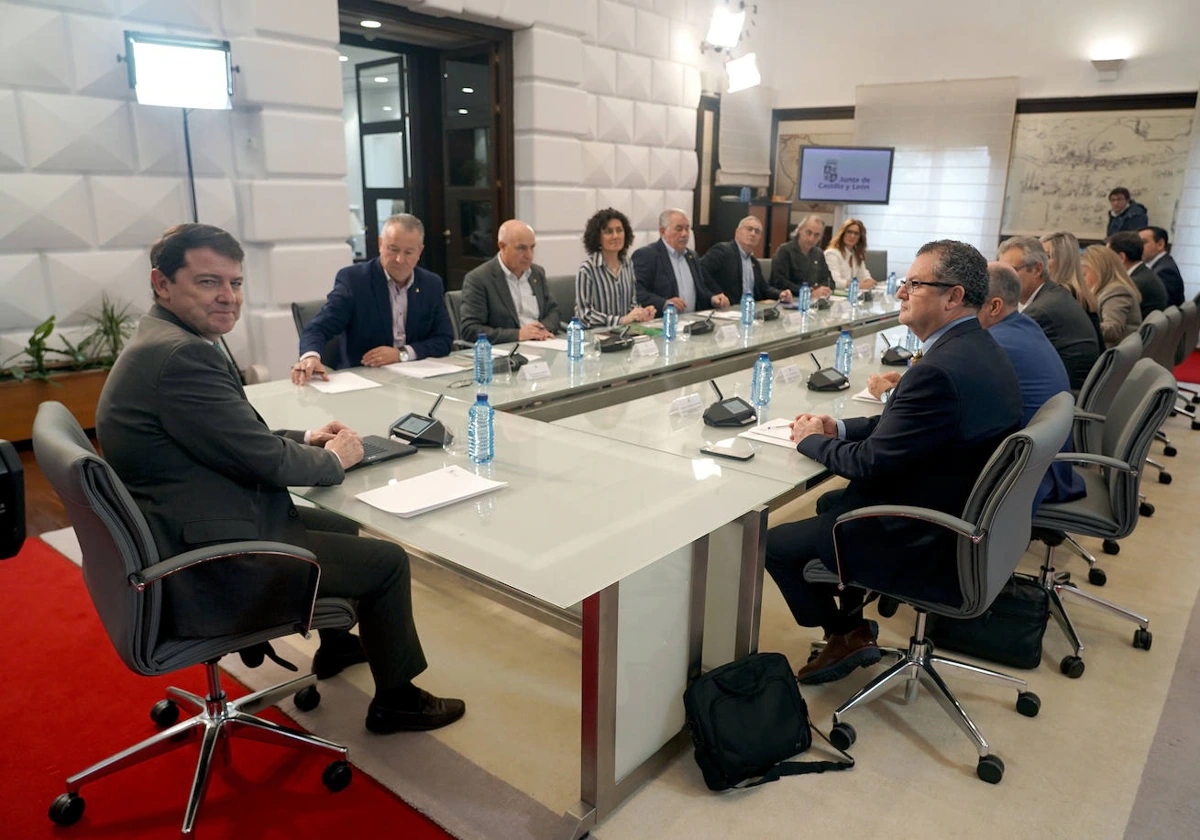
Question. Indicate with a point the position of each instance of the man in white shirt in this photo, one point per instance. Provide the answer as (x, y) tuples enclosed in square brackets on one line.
[(506, 298)]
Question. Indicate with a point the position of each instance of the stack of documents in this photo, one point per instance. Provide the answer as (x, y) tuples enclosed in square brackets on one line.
[(424, 368), (429, 491), (340, 383)]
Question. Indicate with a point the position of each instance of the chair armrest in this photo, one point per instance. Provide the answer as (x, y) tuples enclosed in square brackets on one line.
[(459, 344), (165, 568), (256, 373), (1089, 416), (934, 517), (1094, 460)]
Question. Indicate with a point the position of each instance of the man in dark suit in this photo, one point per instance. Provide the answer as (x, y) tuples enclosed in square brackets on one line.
[(942, 423), (800, 261), (389, 308), (1125, 213), (1039, 369), (506, 298), (1059, 315), (667, 271), (735, 269), (175, 424), (1128, 247), (1156, 254)]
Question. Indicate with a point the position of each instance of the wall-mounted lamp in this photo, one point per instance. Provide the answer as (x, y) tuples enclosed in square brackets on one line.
[(743, 73), (726, 28), (1107, 69)]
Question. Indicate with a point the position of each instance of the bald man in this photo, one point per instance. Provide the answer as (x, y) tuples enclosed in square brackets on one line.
[(506, 298)]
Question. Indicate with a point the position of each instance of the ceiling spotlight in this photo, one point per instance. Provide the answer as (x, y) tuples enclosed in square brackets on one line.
[(370, 24), (468, 90), (726, 28), (462, 110), (387, 107), (381, 79), (343, 57), (743, 72)]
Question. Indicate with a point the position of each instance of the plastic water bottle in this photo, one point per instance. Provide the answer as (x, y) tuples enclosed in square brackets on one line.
[(911, 342), (744, 195), (852, 291), (843, 353), (804, 298), (574, 340), (892, 285), (483, 361), (747, 310), (481, 431), (670, 322), (761, 382)]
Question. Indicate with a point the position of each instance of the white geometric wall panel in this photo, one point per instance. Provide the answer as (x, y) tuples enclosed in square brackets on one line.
[(133, 212), (303, 144), (599, 70), (23, 290), (273, 340), (517, 14), (599, 164), (614, 25), (269, 210), (439, 7), (564, 16), (95, 45), (673, 9), (44, 211), (78, 281), (664, 168), (100, 7), (289, 273), (643, 212), (483, 9), (547, 160), (653, 35), (691, 87), (77, 133), (560, 253), (685, 43), (614, 119), (12, 155), (310, 20), (541, 54), (618, 199), (586, 18), (216, 204), (689, 168), (276, 73), (540, 106), (667, 86), (33, 48), (649, 124), (588, 132), (633, 75), (681, 128), (198, 14), (681, 199), (554, 209), (159, 133), (633, 166)]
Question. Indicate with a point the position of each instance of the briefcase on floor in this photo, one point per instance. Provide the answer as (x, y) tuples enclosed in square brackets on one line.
[(1009, 633)]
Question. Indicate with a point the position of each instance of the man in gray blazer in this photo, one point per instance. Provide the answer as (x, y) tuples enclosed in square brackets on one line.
[(1056, 311), (506, 298), (204, 468)]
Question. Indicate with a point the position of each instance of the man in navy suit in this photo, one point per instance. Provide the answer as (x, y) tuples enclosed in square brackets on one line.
[(1156, 254), (943, 422), (667, 271), (389, 308)]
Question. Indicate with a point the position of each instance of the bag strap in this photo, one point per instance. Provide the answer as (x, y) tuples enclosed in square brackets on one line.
[(802, 768)]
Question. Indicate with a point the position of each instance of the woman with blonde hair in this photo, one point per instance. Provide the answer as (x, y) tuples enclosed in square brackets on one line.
[(847, 255), (1063, 249), (1117, 299)]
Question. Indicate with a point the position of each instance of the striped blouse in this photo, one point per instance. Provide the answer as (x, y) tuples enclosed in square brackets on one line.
[(601, 300)]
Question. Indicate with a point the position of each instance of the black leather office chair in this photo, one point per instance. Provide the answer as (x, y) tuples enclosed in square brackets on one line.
[(1187, 346), (1110, 509), (305, 311), (993, 533), (12, 501), (562, 291), (122, 570)]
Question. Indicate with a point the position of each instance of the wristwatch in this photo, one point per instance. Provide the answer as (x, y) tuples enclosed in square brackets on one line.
[(404, 354)]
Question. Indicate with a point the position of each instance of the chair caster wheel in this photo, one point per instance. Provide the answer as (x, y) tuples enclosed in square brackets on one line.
[(888, 606), (1072, 666), (990, 769), (1142, 638), (1170, 451), (1164, 477), (307, 699), (1196, 399), (842, 736), (1146, 509), (1112, 547), (1196, 425), (337, 775), (164, 713), (1029, 704), (67, 809), (1097, 577)]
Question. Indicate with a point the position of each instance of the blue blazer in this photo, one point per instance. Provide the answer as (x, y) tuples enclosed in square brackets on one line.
[(1042, 374), (656, 277), (360, 307)]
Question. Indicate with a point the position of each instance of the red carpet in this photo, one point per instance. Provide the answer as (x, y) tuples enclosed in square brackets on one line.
[(1189, 371), (67, 701)]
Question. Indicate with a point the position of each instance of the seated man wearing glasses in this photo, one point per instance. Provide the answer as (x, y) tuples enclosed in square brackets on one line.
[(944, 419)]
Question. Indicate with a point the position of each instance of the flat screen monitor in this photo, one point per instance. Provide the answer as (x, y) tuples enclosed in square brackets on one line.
[(861, 175)]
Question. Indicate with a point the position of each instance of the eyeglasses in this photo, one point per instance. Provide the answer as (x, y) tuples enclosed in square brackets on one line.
[(913, 284)]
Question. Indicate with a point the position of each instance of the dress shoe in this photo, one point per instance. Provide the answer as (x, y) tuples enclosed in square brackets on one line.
[(331, 659), (841, 655), (428, 712)]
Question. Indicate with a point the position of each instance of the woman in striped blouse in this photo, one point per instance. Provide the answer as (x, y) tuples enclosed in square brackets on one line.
[(604, 286)]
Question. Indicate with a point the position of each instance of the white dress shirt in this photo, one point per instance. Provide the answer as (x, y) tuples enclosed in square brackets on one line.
[(522, 294), (683, 277)]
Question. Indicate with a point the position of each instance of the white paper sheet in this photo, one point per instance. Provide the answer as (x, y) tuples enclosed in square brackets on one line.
[(865, 396), (340, 383), (778, 432), (429, 491), (498, 353), (425, 368), (559, 344)]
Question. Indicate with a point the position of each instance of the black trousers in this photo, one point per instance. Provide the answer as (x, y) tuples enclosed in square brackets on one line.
[(375, 575), (791, 547)]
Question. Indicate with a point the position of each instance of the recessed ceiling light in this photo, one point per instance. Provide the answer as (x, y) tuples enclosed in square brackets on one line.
[(370, 24), (381, 79), (468, 90), (343, 57), (462, 110), (387, 107)]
